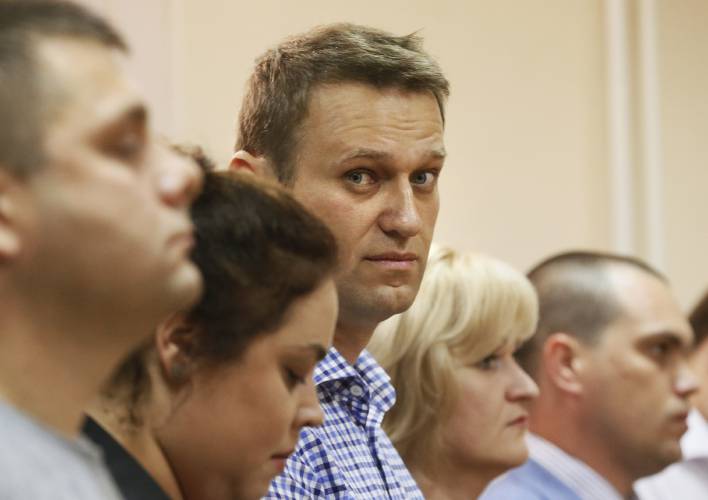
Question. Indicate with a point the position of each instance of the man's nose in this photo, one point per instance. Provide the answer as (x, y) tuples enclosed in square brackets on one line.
[(179, 178), (401, 216)]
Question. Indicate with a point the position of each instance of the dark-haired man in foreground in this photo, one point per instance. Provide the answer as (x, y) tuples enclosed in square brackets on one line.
[(351, 119), (94, 239), (609, 357)]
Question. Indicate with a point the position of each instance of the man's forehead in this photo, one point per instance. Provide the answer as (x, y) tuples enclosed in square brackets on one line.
[(340, 106), (647, 307), (87, 80), (350, 111)]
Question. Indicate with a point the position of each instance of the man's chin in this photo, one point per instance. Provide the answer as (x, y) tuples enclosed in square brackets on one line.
[(373, 304), (389, 301)]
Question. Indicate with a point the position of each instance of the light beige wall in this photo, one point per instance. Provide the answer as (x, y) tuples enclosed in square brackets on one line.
[(683, 39), (526, 173), (149, 27), (529, 169)]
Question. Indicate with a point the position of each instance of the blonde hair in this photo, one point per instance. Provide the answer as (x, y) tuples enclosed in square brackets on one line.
[(468, 307)]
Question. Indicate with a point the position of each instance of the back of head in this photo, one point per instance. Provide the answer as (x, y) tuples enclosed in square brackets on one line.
[(576, 297), (278, 92), (258, 250), (27, 96), (467, 308)]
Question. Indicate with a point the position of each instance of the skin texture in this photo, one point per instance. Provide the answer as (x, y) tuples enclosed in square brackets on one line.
[(229, 433), (367, 163), (94, 246), (484, 435)]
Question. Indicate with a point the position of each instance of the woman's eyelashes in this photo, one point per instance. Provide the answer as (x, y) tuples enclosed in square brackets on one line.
[(293, 378), (490, 362)]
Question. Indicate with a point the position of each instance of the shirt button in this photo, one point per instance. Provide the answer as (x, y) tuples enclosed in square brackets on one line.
[(356, 391)]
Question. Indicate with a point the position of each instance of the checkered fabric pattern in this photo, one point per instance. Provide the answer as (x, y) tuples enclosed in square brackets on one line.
[(350, 456)]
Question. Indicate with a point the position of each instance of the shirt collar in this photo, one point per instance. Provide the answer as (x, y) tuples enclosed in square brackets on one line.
[(581, 478), (694, 443), (366, 371)]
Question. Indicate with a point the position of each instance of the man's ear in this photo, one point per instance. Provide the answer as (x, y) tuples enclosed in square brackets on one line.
[(563, 362), (243, 161), (175, 345), (10, 241)]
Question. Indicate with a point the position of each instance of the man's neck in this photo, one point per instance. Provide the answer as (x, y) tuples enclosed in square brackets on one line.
[(51, 369), (351, 340), (585, 447)]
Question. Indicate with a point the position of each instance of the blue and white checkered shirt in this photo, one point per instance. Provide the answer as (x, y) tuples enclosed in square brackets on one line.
[(350, 456)]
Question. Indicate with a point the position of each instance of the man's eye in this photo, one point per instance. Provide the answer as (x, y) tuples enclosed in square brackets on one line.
[(660, 350), (359, 177), (424, 178), (128, 148)]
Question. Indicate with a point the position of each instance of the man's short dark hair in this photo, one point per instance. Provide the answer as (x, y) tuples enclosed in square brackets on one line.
[(278, 92), (699, 320), (24, 89), (576, 297), (258, 250)]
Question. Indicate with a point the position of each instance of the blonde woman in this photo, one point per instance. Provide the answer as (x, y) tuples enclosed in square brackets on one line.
[(461, 409)]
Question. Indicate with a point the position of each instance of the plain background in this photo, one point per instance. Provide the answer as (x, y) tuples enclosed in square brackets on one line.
[(532, 151)]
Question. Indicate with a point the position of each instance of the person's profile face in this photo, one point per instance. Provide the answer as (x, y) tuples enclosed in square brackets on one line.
[(488, 424), (367, 163), (636, 382), (231, 433), (108, 221)]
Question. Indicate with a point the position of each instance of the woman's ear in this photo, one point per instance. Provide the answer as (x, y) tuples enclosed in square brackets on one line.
[(563, 362), (175, 343)]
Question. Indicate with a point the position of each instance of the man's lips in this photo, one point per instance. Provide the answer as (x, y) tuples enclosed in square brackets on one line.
[(393, 260), (520, 421), (279, 459), (182, 239), (680, 419), (282, 456)]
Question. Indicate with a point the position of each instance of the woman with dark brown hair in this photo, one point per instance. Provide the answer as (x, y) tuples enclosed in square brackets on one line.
[(213, 406)]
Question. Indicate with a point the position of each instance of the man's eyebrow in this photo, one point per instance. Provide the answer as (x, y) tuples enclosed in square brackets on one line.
[(375, 154), (663, 336), (137, 114), (133, 115), (439, 154), (366, 153)]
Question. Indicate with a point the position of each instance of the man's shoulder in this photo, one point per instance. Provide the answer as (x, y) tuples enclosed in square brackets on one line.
[(40, 464), (687, 479), (531, 481), (333, 462)]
